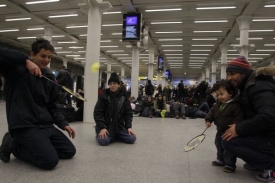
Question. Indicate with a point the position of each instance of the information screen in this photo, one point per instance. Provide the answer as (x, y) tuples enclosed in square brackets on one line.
[(160, 63), (131, 27)]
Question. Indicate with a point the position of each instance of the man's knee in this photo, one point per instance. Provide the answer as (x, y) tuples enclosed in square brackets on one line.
[(49, 163), (70, 152), (103, 142), (131, 139)]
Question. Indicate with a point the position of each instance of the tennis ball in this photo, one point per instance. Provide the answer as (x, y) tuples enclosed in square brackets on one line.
[(95, 67)]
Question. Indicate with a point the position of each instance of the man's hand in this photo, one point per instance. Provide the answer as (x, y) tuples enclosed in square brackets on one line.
[(33, 68), (230, 133), (103, 134), (70, 131), (130, 131), (207, 124)]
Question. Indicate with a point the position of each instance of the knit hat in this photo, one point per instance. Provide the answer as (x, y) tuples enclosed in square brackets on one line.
[(114, 78), (239, 65)]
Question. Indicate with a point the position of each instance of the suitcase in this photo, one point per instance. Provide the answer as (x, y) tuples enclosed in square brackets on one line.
[(67, 111)]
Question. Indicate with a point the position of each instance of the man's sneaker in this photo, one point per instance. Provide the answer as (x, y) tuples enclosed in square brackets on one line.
[(177, 116), (249, 167), (215, 163), (228, 169), (4, 148), (267, 176), (183, 116)]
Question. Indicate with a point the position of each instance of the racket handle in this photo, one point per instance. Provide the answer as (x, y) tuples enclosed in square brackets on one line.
[(205, 130)]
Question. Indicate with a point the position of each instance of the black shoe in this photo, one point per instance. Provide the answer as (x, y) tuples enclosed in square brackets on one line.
[(228, 169), (267, 176), (249, 167), (4, 148), (215, 163)]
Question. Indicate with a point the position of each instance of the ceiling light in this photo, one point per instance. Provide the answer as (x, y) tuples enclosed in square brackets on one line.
[(108, 46), (79, 58), (116, 33), (45, 1), (123, 58), (59, 36), (111, 12), (2, 5), (83, 35), (120, 54), (269, 6), (173, 32), (77, 26), (174, 60), (114, 51), (204, 39), (202, 45), (57, 48), (196, 60), (105, 41), (76, 47), (61, 16), (195, 67), (200, 50), (66, 42), (263, 20), (269, 44), (259, 54), (231, 50), (174, 54), (171, 45), (172, 9), (72, 55), (210, 21), (268, 30), (174, 57), (233, 54), (198, 57), (216, 8), (205, 31), (109, 25), (26, 37), (199, 54), (16, 19), (266, 50), (32, 29), (64, 52), (166, 22), (81, 51), (172, 50), (9, 30), (178, 39)]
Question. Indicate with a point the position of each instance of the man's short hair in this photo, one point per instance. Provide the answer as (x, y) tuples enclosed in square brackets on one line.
[(40, 44)]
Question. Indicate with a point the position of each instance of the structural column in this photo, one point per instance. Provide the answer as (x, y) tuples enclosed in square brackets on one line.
[(135, 71), (272, 61), (158, 78), (207, 73), (100, 78), (214, 71), (163, 81), (203, 75), (224, 49), (151, 63), (109, 71), (65, 62), (244, 24), (122, 75), (94, 10)]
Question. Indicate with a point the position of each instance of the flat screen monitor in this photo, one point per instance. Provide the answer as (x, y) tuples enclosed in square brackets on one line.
[(131, 27), (160, 63)]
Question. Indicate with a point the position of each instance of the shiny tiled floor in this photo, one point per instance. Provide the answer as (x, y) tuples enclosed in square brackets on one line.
[(156, 157)]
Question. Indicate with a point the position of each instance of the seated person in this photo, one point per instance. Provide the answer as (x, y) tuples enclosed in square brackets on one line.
[(113, 115), (178, 108), (160, 106), (147, 107), (193, 111)]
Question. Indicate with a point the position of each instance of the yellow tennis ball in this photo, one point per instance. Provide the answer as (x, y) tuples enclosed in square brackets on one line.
[(95, 67)]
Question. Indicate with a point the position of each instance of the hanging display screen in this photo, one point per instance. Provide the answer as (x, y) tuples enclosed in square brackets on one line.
[(131, 27), (160, 63)]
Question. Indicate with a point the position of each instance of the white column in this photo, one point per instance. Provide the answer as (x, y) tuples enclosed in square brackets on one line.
[(207, 73), (224, 48), (109, 71), (203, 76), (135, 71), (65, 62), (95, 9), (163, 81), (214, 71), (151, 63), (48, 35), (272, 61), (244, 24), (100, 78), (122, 75), (158, 78)]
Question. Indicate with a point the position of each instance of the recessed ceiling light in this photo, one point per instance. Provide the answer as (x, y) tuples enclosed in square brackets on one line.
[(166, 22), (178, 39), (9, 30), (76, 47), (198, 57), (268, 30), (64, 52), (57, 48), (172, 50), (81, 51), (263, 20), (120, 54), (77, 26), (172, 32), (73, 55), (266, 50), (205, 31), (16, 19), (58, 36), (202, 45), (110, 25), (26, 37), (199, 54), (171, 45), (210, 21), (116, 33), (111, 12), (45, 1), (105, 41), (33, 29), (174, 54), (79, 58), (200, 50), (61, 16), (263, 54), (2, 5), (108, 46), (269, 6), (66, 42), (204, 39), (196, 60), (174, 57), (172, 9), (114, 51), (216, 8), (269, 44)]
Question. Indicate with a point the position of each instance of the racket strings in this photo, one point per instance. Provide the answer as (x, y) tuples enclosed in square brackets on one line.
[(194, 142)]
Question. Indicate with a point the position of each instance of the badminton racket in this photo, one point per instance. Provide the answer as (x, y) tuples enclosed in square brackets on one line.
[(67, 90), (193, 143)]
